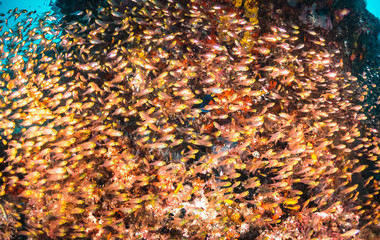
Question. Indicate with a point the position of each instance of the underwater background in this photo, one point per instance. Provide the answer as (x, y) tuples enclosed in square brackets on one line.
[(189, 119), (373, 7)]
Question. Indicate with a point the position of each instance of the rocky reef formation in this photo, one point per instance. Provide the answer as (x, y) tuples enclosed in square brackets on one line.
[(189, 119)]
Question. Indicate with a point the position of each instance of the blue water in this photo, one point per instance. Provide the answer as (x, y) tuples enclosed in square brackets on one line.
[(374, 7), (40, 6)]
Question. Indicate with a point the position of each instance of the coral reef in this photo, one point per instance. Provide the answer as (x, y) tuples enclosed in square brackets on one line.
[(316, 17), (183, 119)]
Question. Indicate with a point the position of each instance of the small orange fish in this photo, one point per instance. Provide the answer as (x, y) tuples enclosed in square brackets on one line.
[(350, 233), (341, 13)]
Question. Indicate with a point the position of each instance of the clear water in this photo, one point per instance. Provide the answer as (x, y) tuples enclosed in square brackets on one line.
[(40, 6), (374, 7), (39, 9)]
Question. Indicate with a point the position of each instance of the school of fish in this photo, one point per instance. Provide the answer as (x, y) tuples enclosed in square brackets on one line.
[(180, 119)]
